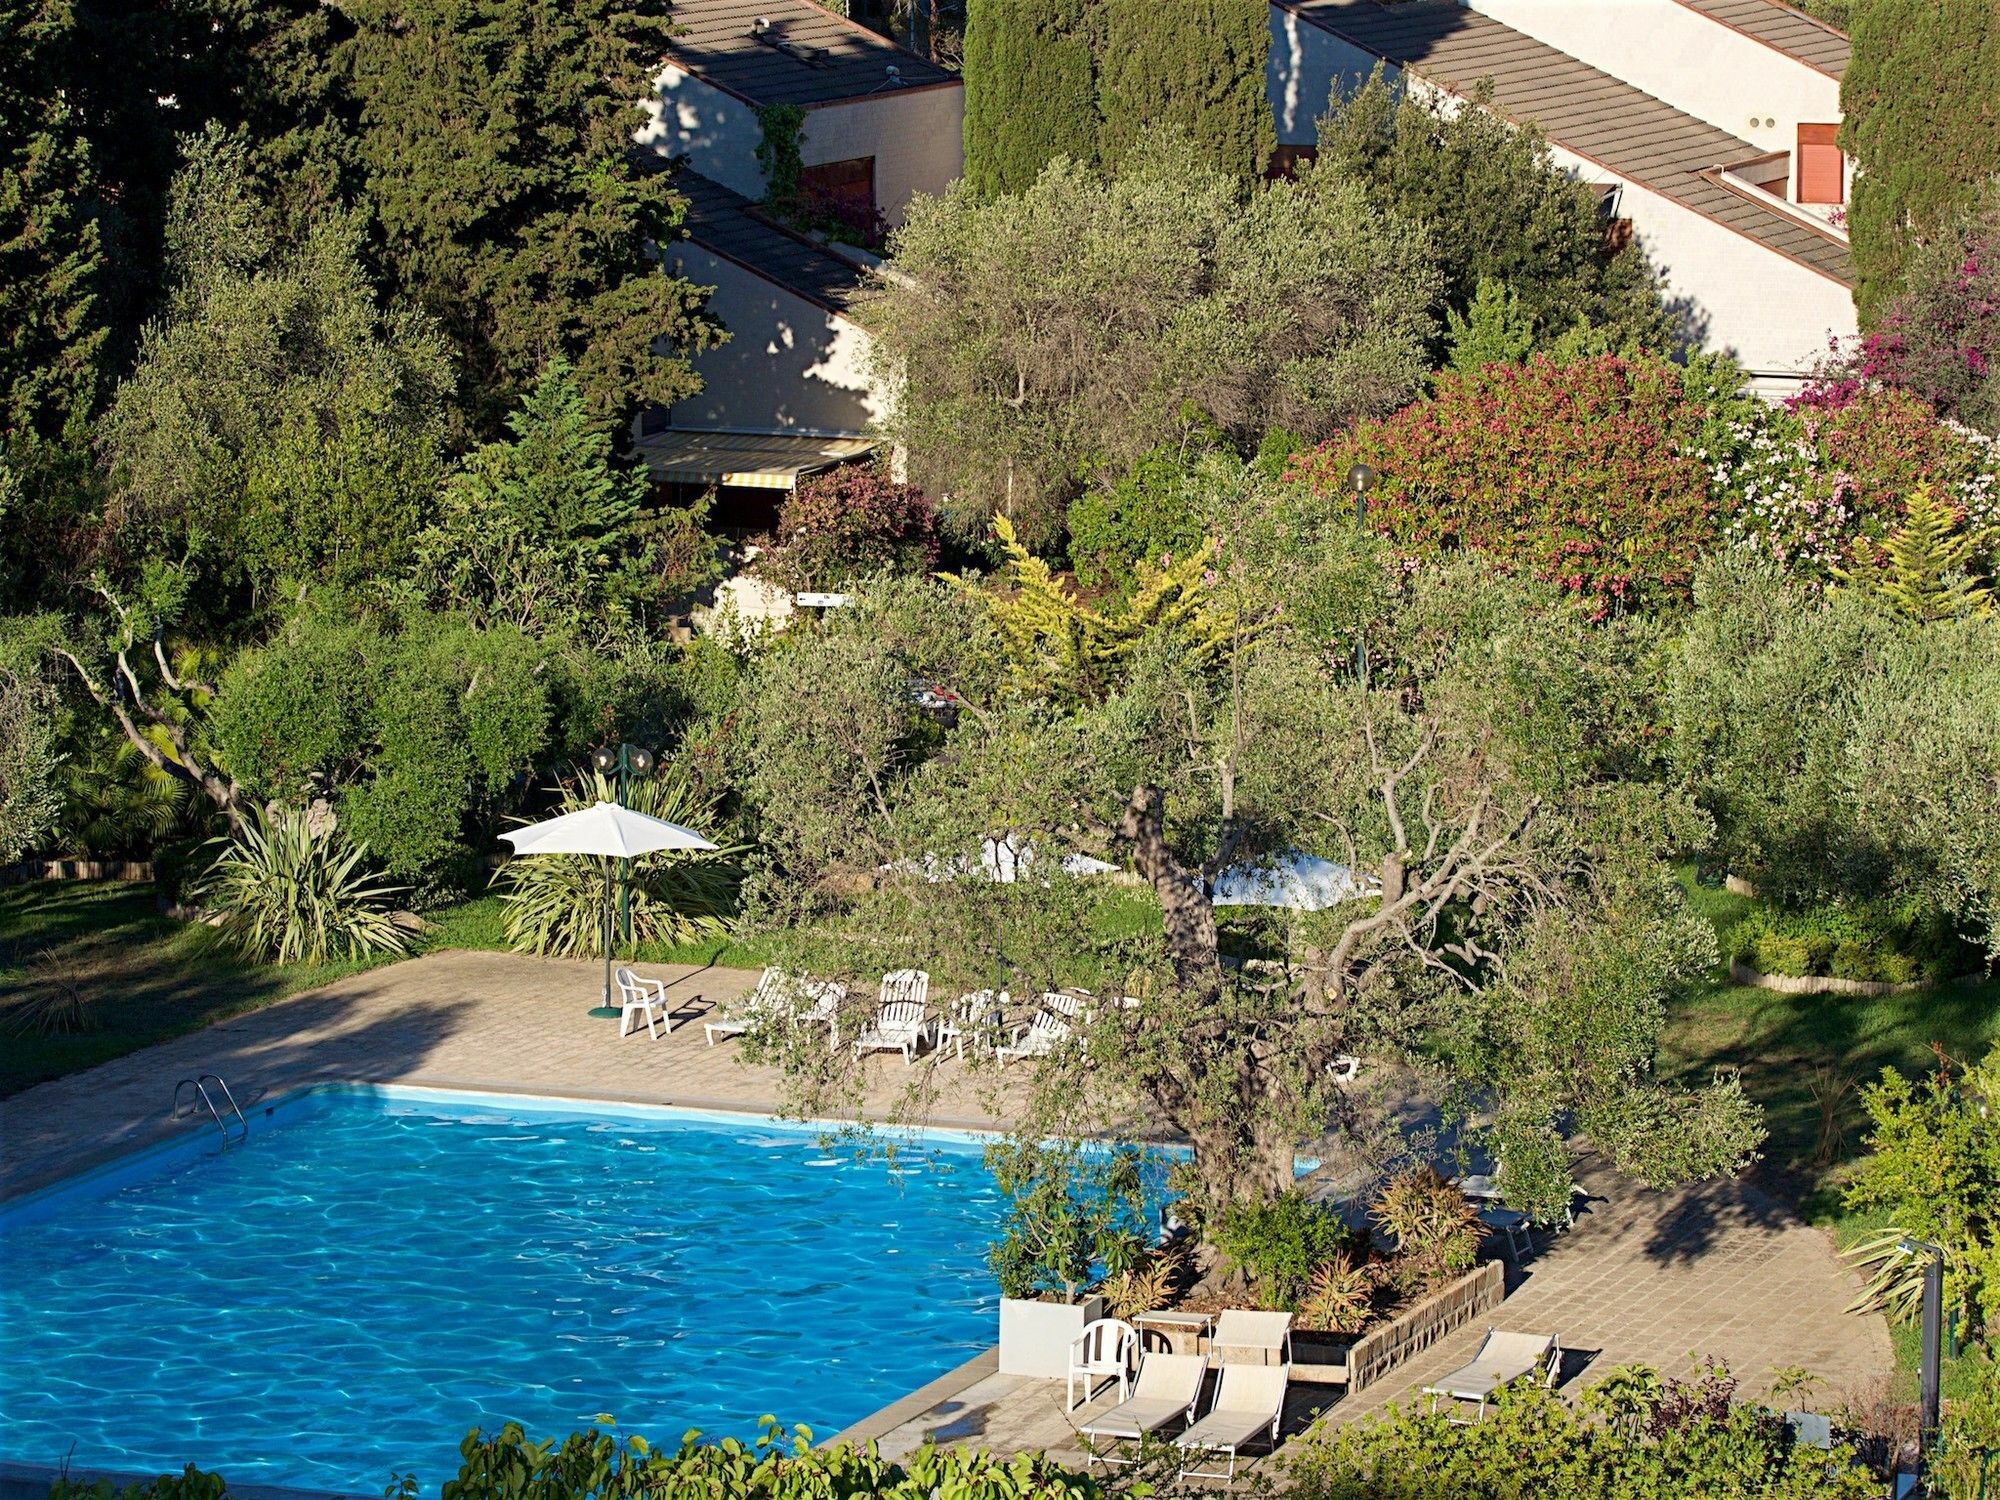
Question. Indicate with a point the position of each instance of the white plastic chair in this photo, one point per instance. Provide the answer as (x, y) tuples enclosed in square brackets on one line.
[(1037, 1038), (822, 999), (644, 998), (1344, 1069), (975, 1018), (1104, 1350)]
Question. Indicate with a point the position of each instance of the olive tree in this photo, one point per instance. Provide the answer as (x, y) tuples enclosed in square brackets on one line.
[(1464, 763)]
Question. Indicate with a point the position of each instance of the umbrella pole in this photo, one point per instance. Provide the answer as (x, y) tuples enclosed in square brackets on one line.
[(606, 1008)]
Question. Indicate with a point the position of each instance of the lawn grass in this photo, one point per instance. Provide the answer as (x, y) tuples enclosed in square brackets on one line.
[(144, 977), (1804, 1058)]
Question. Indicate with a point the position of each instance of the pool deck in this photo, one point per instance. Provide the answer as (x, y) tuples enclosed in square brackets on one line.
[(1718, 1270), (496, 1022)]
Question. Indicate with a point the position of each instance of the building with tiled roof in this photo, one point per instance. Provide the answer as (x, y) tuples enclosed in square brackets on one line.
[(1707, 125)]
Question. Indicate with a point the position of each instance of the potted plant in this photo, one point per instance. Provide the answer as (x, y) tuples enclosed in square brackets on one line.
[(1074, 1216)]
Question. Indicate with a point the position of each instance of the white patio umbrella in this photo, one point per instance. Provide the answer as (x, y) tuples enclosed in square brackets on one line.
[(1301, 882), (610, 832)]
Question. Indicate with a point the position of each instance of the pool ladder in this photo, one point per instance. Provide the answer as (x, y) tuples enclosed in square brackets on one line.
[(201, 1099)]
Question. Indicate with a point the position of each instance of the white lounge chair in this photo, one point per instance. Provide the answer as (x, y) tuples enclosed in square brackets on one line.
[(1037, 1038), (1503, 1358), (817, 1002), (745, 1014), (1249, 1399), (975, 1018), (1071, 1005), (1103, 1351), (1267, 1333), (644, 998), (1167, 1388), (898, 1026)]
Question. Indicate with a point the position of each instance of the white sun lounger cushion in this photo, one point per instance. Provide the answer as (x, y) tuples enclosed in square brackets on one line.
[(1168, 1387), (1249, 1399)]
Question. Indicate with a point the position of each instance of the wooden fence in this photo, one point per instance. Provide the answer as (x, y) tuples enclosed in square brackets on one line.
[(131, 871)]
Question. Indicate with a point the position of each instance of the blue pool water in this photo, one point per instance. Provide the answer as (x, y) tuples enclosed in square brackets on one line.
[(374, 1272)]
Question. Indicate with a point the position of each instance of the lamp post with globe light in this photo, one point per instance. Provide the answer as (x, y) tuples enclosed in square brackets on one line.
[(1361, 479), (626, 763)]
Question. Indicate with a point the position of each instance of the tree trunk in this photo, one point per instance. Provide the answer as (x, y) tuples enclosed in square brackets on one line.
[(1186, 916)]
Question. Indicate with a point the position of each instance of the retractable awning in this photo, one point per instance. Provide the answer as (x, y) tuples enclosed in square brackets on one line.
[(755, 460)]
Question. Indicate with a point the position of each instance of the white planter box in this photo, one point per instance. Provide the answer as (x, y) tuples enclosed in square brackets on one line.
[(1035, 1336)]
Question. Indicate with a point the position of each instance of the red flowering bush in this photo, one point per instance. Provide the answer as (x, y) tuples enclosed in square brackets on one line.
[(847, 523), (1584, 474)]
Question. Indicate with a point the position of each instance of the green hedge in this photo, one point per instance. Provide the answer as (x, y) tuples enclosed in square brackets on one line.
[(603, 1464), (1871, 942)]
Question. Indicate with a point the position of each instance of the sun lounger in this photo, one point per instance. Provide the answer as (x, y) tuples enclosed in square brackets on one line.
[(1167, 1388), (1502, 1359), (817, 1002), (1249, 1400), (1267, 1334), (746, 1013), (976, 1018), (644, 998), (898, 1026), (1038, 1038)]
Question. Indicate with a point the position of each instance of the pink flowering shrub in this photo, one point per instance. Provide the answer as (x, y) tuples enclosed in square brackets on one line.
[(1940, 338), (1583, 474), (1803, 484), (850, 522)]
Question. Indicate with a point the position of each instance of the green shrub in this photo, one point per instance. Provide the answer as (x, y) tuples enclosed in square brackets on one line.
[(1073, 1213), (1899, 968), (1532, 1442), (189, 1484), (1279, 1244), (1775, 953), (1852, 960)]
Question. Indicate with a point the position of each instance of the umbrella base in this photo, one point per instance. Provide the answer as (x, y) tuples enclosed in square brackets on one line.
[(605, 1012)]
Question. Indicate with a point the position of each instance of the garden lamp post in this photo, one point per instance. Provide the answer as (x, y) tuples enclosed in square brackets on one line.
[(1361, 479), (626, 763), (1931, 1358)]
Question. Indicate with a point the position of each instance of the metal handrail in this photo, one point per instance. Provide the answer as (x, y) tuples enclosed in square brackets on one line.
[(200, 1085)]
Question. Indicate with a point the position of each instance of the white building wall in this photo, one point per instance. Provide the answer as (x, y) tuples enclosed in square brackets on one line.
[(789, 365), (716, 131), (1735, 294), (916, 135), (1732, 81)]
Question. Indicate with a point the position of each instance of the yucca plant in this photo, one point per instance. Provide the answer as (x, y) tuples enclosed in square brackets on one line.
[(53, 1000), (288, 895), (555, 902)]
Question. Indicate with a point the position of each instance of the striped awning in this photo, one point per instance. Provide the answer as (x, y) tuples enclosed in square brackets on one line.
[(755, 460)]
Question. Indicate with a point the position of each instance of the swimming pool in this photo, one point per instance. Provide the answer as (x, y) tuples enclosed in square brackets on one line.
[(375, 1271)]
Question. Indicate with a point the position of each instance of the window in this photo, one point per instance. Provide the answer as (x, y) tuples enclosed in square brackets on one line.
[(1822, 169), (843, 188)]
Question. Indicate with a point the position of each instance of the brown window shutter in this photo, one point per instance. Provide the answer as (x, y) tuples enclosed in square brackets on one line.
[(1822, 170)]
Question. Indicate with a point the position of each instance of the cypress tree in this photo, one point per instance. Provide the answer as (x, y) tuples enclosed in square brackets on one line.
[(495, 144), (1921, 101), (1193, 65), (51, 334), (1030, 90)]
